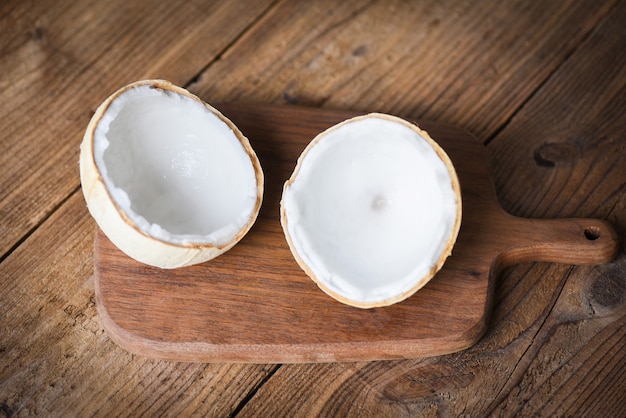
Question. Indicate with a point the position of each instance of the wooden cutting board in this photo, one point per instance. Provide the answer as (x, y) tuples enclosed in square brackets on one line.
[(254, 304)]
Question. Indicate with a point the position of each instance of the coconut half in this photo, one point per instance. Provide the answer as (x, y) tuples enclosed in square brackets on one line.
[(169, 179), (372, 210)]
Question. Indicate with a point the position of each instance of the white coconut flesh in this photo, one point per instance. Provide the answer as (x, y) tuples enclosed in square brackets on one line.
[(372, 210), (176, 171)]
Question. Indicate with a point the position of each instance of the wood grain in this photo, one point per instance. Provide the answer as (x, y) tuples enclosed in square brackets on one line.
[(567, 165), (460, 63), (254, 304), (540, 82), (56, 359)]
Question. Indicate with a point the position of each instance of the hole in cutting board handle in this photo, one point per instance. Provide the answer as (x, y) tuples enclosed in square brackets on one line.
[(592, 233)]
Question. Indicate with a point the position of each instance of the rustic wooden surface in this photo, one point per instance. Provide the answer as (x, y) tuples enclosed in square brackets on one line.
[(541, 84), (255, 304)]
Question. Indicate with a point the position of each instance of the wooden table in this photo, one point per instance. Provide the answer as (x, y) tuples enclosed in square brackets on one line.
[(541, 84)]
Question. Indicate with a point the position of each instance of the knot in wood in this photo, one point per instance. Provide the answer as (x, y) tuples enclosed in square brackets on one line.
[(359, 51), (607, 292), (553, 153), (37, 33), (425, 381)]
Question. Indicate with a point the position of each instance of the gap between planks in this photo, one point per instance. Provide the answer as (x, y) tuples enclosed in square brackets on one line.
[(253, 391), (47, 216), (232, 44)]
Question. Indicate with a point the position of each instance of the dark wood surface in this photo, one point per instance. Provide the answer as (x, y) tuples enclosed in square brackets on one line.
[(254, 304), (541, 84)]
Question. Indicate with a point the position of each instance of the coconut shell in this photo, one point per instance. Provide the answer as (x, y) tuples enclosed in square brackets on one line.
[(120, 229), (419, 282)]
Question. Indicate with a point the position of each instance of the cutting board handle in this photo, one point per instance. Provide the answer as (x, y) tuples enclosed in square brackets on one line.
[(570, 241)]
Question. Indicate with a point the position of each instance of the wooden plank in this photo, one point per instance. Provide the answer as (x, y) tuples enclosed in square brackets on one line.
[(254, 304), (56, 359), (464, 63), (555, 346), (58, 63)]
